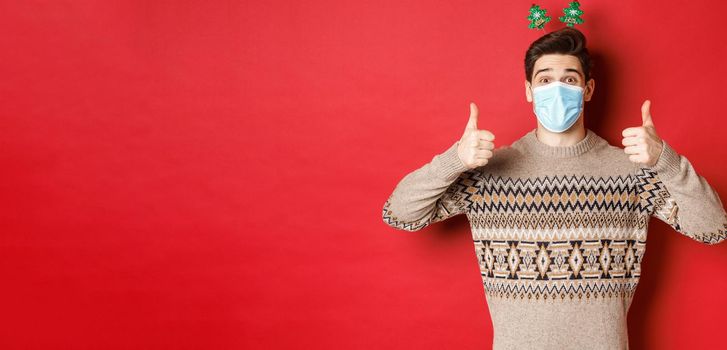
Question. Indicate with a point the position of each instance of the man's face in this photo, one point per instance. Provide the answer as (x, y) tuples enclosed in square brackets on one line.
[(556, 67)]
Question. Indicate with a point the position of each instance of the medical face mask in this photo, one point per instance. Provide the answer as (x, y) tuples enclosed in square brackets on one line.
[(558, 105)]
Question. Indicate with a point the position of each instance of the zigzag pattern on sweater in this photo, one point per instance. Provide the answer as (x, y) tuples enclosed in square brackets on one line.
[(657, 201), (556, 194), (569, 290), (556, 202), (457, 199)]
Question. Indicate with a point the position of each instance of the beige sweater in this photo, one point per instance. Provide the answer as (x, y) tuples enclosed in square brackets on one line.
[(559, 231)]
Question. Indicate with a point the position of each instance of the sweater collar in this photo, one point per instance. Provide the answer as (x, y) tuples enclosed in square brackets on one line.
[(531, 141)]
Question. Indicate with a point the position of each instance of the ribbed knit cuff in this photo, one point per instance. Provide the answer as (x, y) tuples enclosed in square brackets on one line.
[(668, 164), (447, 165)]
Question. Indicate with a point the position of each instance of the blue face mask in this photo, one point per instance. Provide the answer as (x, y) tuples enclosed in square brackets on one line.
[(558, 105)]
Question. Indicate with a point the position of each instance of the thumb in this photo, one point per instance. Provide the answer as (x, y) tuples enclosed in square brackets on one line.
[(646, 114), (474, 113)]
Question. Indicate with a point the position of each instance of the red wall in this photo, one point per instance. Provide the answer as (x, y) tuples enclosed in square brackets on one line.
[(208, 174)]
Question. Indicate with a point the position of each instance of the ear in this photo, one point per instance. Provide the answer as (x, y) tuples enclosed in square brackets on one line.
[(590, 86), (528, 93)]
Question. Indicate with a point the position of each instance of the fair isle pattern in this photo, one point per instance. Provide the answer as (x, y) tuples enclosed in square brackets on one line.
[(560, 269), (559, 207), (456, 200), (558, 237), (559, 232), (657, 200), (556, 226), (560, 260), (560, 290), (557, 194), (594, 226)]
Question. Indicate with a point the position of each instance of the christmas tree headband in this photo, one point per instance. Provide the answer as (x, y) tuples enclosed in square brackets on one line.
[(572, 13)]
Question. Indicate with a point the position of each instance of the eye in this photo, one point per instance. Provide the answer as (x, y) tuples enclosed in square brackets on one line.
[(543, 80), (571, 80)]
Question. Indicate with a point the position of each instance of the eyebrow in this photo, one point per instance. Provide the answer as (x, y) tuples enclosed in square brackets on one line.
[(550, 69)]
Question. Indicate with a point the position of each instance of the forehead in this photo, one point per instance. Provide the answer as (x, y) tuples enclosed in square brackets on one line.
[(557, 62)]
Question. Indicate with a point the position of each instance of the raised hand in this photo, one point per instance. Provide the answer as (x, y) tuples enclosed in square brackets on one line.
[(642, 143), (475, 148)]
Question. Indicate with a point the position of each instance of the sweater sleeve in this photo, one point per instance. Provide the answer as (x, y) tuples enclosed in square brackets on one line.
[(437, 191), (677, 195)]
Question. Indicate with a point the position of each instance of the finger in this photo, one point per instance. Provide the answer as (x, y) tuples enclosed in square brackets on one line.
[(486, 145), (636, 158), (633, 131), (632, 149), (474, 113), (483, 153), (481, 162), (646, 114), (631, 140), (485, 135)]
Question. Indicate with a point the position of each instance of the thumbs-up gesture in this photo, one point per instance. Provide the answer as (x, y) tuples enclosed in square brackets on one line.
[(475, 148), (642, 143)]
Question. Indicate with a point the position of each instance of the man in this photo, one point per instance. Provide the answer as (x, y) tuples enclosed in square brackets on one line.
[(559, 218)]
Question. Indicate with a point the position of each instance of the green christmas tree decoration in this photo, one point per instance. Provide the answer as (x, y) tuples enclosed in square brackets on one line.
[(537, 17), (572, 14)]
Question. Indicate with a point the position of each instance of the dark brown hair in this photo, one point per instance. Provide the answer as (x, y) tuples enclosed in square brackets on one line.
[(567, 41)]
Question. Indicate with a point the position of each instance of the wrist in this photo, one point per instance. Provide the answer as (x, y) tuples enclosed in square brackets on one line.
[(448, 165), (667, 165)]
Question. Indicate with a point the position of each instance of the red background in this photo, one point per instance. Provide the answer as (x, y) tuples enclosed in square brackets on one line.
[(209, 174)]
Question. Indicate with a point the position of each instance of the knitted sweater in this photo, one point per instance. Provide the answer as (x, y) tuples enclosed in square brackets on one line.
[(559, 231)]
